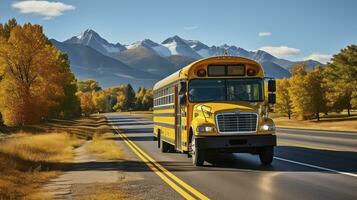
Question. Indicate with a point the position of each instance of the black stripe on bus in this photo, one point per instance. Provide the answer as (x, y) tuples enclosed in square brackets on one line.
[(166, 125), (164, 114), (164, 107)]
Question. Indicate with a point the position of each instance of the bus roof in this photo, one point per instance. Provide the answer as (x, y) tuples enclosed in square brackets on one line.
[(183, 73)]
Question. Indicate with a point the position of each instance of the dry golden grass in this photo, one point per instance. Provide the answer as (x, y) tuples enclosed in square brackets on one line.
[(325, 124), (106, 192), (105, 147), (26, 161)]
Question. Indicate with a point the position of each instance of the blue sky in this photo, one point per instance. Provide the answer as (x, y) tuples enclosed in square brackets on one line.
[(289, 29)]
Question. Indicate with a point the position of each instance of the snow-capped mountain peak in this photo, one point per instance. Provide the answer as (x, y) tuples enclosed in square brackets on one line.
[(151, 45), (179, 46), (91, 38)]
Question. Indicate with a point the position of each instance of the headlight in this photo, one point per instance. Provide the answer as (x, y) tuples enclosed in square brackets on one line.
[(267, 127), (205, 128)]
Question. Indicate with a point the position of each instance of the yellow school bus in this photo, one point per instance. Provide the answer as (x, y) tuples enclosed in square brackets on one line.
[(216, 104)]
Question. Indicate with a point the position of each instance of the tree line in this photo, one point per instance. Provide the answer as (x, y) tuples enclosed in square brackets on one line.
[(94, 99), (330, 88), (36, 81)]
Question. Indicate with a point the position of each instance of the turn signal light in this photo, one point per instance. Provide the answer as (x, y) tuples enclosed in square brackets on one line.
[(201, 73), (252, 71)]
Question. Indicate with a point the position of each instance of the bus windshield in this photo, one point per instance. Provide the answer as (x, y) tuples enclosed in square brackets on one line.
[(205, 90)]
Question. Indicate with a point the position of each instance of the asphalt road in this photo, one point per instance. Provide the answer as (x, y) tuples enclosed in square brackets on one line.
[(307, 165)]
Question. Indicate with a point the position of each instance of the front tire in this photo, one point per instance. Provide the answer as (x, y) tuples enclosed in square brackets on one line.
[(198, 155), (266, 155)]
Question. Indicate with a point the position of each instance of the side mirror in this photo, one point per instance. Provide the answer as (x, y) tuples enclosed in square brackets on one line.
[(271, 98), (182, 88), (271, 85), (182, 99)]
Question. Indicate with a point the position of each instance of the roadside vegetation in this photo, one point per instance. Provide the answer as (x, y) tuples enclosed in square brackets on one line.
[(105, 147), (36, 82), (321, 91), (27, 161), (332, 121), (32, 155), (35, 78), (94, 99)]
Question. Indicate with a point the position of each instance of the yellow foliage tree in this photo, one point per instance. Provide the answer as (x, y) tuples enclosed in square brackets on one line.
[(316, 91), (299, 92), (307, 92), (283, 99), (33, 75), (101, 101), (87, 104)]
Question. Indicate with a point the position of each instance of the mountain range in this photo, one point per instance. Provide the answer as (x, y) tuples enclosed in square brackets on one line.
[(144, 62)]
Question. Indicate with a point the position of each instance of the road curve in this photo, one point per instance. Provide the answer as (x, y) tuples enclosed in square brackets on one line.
[(307, 165)]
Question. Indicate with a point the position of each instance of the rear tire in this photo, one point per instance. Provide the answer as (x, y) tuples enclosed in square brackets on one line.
[(198, 155), (266, 155)]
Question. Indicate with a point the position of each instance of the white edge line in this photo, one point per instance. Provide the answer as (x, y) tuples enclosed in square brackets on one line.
[(316, 167)]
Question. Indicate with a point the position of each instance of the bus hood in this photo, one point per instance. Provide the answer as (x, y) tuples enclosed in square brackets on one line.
[(217, 107)]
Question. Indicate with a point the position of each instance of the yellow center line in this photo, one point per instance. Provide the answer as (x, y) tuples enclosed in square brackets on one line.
[(307, 146), (156, 167)]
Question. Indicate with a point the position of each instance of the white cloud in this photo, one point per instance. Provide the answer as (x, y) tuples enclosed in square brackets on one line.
[(191, 27), (264, 34), (322, 58), (281, 51), (44, 8)]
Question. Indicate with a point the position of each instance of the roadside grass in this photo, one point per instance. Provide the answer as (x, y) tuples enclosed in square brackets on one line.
[(27, 161), (106, 192), (105, 147), (332, 121)]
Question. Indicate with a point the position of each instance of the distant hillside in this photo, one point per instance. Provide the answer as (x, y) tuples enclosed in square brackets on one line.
[(146, 60), (88, 63)]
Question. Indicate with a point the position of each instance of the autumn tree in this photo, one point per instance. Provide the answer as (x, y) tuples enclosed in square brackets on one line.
[(1, 120), (298, 91), (34, 75), (101, 101), (7, 27), (341, 80), (68, 105), (87, 104), (5, 33), (307, 92), (316, 92), (129, 98), (147, 101), (139, 96), (283, 98), (119, 106), (88, 85)]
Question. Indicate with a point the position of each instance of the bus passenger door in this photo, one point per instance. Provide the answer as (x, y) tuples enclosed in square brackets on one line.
[(177, 119), (180, 117)]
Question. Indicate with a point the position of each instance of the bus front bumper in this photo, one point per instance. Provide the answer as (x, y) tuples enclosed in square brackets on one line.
[(235, 144)]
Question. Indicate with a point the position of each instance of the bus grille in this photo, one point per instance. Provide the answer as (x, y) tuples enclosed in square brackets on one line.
[(237, 122)]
